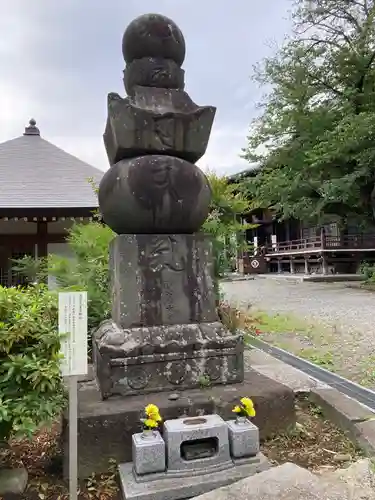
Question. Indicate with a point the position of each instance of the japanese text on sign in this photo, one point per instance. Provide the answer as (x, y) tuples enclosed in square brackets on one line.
[(73, 327)]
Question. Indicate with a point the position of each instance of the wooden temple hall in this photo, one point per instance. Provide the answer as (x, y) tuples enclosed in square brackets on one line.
[(292, 246), (43, 190)]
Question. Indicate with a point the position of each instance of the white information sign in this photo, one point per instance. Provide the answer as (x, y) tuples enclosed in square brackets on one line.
[(73, 325)]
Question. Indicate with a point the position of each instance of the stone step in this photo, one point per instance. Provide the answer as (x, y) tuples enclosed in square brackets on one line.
[(291, 482)]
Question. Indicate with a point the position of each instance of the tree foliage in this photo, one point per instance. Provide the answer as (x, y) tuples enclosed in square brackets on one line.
[(223, 223), (31, 390), (315, 136)]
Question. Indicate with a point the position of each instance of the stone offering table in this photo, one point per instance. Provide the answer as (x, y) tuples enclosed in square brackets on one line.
[(197, 457)]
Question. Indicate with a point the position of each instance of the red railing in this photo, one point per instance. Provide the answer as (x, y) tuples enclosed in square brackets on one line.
[(346, 242)]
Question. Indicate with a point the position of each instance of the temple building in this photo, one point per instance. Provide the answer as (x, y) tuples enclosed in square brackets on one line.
[(295, 246), (43, 190)]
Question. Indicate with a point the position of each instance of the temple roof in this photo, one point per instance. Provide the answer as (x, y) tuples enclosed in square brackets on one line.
[(37, 174)]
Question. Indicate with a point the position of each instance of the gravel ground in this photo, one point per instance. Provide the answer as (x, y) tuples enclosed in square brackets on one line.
[(348, 314)]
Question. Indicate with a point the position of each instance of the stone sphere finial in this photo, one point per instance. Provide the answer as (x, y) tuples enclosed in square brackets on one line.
[(153, 35)]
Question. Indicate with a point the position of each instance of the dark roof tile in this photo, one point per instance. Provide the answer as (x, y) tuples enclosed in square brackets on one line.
[(36, 174)]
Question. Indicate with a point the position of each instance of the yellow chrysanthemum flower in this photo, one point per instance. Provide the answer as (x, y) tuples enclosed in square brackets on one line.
[(248, 406), (247, 402), (151, 409), (152, 412), (250, 412), (150, 423), (236, 409)]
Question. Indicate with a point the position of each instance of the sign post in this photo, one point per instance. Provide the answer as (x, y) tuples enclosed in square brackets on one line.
[(73, 327)]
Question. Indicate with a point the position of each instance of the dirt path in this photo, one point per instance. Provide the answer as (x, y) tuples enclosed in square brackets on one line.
[(342, 321)]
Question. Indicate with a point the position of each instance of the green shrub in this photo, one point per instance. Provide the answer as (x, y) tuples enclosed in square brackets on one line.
[(368, 270), (31, 390), (88, 269)]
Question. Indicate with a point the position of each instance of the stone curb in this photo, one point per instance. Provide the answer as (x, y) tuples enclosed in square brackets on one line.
[(352, 417)]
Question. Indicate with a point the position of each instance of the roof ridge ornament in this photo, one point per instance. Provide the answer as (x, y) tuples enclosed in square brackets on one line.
[(32, 129)]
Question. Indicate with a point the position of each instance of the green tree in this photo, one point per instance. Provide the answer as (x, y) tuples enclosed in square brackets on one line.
[(315, 137), (224, 224)]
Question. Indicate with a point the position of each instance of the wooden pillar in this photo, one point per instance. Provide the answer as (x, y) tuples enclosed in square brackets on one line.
[(324, 264), (42, 239), (307, 269), (279, 268), (292, 269), (322, 237)]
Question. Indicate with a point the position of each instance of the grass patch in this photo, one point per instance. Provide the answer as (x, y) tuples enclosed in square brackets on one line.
[(311, 341), (367, 367), (279, 323)]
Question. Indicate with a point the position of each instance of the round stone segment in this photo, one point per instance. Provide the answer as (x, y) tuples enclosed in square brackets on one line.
[(154, 194), (153, 35)]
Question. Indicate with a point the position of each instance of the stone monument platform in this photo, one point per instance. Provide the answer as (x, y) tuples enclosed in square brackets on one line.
[(105, 428)]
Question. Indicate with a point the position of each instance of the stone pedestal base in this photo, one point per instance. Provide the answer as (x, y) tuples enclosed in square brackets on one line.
[(105, 428), (164, 487), (165, 358)]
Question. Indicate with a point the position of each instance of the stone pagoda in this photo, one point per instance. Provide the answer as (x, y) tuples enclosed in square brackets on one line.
[(164, 334)]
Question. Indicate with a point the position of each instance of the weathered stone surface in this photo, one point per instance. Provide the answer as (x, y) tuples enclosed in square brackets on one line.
[(358, 477), (365, 436), (153, 35), (148, 453), (13, 481), (174, 488), (211, 428), (290, 482), (156, 121), (154, 195), (105, 428), (153, 72), (165, 367), (162, 280), (165, 331), (243, 439), (285, 482), (286, 374)]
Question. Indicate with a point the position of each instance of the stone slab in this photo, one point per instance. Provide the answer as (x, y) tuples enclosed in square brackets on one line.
[(105, 428), (345, 412), (170, 488), (365, 436), (160, 363), (285, 482), (162, 279), (273, 368)]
